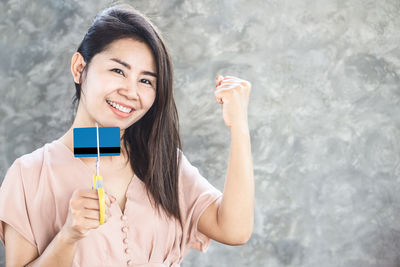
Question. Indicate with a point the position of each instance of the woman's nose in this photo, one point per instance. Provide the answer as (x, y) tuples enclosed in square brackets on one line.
[(131, 90)]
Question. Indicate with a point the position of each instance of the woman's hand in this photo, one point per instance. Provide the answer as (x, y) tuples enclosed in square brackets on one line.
[(84, 214), (233, 93)]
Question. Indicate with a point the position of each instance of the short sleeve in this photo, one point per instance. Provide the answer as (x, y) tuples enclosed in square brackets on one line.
[(198, 194), (13, 206)]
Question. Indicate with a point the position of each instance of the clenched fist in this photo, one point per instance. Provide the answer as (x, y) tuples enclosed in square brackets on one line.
[(84, 214), (233, 93)]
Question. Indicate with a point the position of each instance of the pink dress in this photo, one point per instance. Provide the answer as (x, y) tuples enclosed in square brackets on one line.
[(35, 194)]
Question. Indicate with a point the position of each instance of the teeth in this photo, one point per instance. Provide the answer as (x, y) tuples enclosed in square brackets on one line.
[(120, 108)]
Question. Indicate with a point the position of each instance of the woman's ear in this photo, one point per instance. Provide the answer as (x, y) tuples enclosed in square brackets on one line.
[(77, 66)]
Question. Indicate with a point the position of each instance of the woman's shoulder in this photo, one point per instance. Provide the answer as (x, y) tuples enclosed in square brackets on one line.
[(34, 161), (190, 178), (32, 158), (36, 157)]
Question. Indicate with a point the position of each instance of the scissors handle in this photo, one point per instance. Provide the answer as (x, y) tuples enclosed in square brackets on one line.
[(98, 184)]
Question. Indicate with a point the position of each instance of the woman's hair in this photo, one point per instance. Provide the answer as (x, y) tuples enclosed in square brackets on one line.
[(153, 142)]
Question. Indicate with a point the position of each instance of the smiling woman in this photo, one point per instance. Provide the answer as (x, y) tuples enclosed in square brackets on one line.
[(158, 204)]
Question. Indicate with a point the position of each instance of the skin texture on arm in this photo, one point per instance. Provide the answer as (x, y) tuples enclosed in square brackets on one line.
[(18, 250), (230, 220)]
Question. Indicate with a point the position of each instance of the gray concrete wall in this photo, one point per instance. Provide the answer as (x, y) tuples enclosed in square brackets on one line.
[(324, 113)]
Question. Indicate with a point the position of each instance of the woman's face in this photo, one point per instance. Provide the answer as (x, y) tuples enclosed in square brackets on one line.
[(120, 85)]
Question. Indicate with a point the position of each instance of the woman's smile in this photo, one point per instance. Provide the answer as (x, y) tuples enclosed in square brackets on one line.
[(120, 110)]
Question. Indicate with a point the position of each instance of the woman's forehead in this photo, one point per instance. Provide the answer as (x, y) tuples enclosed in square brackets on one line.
[(130, 54)]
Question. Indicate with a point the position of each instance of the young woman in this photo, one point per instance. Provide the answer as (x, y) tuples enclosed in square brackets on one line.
[(158, 205)]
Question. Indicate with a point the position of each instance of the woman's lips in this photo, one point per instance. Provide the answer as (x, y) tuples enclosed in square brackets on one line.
[(120, 113)]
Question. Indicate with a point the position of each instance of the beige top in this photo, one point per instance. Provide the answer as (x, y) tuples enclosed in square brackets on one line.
[(35, 194)]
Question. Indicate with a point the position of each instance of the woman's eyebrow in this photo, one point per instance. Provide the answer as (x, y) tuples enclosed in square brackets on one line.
[(129, 67)]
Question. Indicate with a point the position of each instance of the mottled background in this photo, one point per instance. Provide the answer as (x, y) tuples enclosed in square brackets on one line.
[(324, 112)]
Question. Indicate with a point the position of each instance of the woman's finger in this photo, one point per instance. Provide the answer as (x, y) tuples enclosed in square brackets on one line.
[(95, 214), (220, 93), (108, 200), (229, 85), (232, 77), (91, 214), (88, 193)]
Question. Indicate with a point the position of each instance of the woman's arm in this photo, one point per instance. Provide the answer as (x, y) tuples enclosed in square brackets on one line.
[(60, 252), (19, 252), (230, 220)]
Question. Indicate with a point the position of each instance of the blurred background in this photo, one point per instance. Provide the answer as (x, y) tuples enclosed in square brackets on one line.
[(324, 113)]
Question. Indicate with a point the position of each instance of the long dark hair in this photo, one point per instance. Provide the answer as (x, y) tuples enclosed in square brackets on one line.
[(152, 142)]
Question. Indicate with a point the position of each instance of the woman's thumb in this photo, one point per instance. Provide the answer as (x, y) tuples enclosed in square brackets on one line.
[(111, 197), (219, 80)]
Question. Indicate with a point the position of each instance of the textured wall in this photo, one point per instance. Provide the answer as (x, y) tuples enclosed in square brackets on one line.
[(324, 112)]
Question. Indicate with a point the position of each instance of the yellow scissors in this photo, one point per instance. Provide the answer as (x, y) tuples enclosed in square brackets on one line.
[(98, 181)]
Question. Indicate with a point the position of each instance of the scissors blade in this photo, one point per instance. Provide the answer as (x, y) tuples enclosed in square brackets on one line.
[(98, 150)]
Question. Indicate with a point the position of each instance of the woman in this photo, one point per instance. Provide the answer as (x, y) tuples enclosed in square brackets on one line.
[(158, 205)]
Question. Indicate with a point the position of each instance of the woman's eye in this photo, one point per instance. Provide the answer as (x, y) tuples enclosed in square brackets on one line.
[(146, 81), (118, 71)]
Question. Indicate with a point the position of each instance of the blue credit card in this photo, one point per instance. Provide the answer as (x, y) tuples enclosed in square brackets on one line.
[(85, 141)]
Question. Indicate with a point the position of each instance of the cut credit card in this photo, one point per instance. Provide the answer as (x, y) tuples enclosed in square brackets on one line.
[(85, 141)]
